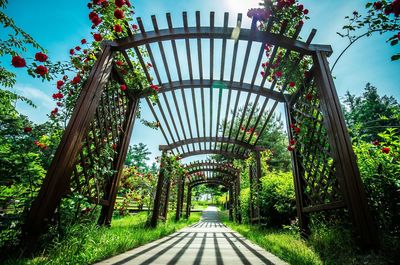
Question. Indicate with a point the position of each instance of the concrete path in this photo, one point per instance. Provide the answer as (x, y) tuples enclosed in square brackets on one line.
[(207, 242)]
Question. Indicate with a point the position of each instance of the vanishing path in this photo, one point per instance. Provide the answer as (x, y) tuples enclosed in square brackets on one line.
[(207, 242)]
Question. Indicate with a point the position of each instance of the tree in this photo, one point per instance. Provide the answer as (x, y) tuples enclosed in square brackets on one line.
[(370, 114), (137, 156)]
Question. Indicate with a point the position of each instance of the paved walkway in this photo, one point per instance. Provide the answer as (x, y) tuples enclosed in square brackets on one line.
[(207, 242)]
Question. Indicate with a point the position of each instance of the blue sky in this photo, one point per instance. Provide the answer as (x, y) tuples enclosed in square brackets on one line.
[(60, 25)]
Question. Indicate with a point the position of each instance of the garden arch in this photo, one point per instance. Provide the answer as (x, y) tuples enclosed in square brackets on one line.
[(197, 111)]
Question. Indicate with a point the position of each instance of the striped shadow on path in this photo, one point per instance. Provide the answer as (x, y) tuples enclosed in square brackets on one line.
[(207, 242)]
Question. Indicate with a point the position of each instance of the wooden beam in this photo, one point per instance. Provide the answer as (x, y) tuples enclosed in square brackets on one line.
[(219, 33)]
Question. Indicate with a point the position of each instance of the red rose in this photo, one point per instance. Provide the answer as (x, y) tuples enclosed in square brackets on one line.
[(309, 96), (60, 83), (296, 130), (18, 61), (83, 41), (119, 14), (59, 104), (41, 70), (300, 7), (117, 28), (292, 142), (71, 51), (355, 13), (77, 48), (97, 37), (123, 87), (76, 80), (154, 87), (398, 35), (54, 112), (305, 12), (41, 57), (301, 23), (378, 5), (27, 129), (278, 74), (262, 73), (290, 148), (375, 142), (119, 63), (134, 27), (128, 3), (292, 84), (85, 51), (386, 150), (119, 3)]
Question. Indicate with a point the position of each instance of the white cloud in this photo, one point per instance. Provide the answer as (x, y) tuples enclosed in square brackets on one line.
[(38, 97)]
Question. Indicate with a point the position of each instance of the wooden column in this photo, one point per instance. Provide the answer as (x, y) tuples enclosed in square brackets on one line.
[(157, 199), (179, 198), (258, 183), (122, 149), (166, 199), (230, 204), (238, 215), (345, 160), (182, 195), (188, 201), (59, 174), (251, 181), (297, 172)]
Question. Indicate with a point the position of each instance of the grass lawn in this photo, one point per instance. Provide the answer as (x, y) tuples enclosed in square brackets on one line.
[(85, 244), (325, 246)]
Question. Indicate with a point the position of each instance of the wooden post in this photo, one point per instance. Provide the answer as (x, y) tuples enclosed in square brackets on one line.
[(258, 183), (166, 199), (238, 215), (298, 182), (157, 199), (230, 204), (178, 198), (182, 196), (188, 201), (345, 160), (251, 208), (112, 186), (59, 174)]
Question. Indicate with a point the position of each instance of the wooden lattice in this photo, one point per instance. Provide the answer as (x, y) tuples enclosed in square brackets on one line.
[(318, 172)]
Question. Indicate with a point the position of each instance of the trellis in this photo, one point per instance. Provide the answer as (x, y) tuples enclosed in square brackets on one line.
[(198, 113)]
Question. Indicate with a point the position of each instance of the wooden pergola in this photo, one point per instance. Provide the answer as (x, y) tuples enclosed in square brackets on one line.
[(212, 100)]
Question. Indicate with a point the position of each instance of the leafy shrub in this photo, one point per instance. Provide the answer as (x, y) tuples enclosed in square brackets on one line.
[(278, 202)]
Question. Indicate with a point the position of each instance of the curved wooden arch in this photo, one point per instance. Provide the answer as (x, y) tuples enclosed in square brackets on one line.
[(209, 181), (218, 170), (217, 140), (211, 163), (212, 152), (205, 83), (216, 33)]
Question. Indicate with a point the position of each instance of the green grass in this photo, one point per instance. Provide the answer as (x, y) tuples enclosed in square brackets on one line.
[(284, 245), (85, 244), (326, 245)]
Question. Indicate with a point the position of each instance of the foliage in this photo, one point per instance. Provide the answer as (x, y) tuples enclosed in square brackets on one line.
[(381, 17), (25, 149), (370, 114), (137, 156), (379, 164), (86, 243), (277, 201)]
